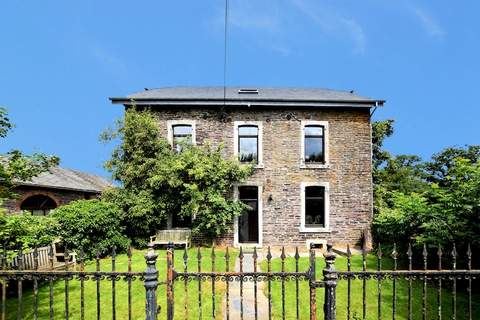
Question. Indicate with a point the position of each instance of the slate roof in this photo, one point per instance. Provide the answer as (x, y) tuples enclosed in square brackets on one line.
[(68, 179), (263, 96)]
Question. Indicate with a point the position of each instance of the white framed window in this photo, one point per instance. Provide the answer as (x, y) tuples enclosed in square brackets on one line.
[(248, 142), (314, 144), (181, 131), (315, 207), (248, 227)]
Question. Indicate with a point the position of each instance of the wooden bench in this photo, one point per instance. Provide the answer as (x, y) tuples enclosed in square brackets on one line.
[(176, 236), (44, 263)]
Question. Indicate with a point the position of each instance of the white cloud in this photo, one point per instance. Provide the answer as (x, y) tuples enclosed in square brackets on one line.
[(272, 26), (331, 22), (429, 23)]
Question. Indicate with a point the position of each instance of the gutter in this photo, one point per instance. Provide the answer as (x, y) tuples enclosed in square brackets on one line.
[(243, 102)]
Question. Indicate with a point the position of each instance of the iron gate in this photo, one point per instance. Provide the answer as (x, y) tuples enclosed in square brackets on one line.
[(255, 276)]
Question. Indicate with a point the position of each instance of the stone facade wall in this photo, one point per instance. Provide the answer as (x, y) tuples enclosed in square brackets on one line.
[(60, 196), (348, 173)]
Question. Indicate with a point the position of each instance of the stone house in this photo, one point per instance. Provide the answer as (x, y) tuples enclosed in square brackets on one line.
[(311, 149), (54, 188)]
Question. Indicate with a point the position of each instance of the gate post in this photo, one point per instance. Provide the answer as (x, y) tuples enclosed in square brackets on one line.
[(170, 281), (330, 279), (313, 290), (151, 283)]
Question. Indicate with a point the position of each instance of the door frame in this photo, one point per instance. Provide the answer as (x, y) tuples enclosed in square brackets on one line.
[(236, 244)]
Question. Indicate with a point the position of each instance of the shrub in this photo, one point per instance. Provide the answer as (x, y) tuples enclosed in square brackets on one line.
[(26, 231), (91, 225)]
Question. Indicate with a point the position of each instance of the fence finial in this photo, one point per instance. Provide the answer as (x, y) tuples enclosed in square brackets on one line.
[(329, 256), (394, 251)]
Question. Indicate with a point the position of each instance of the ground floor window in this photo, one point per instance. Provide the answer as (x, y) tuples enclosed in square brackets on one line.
[(314, 207), (39, 205)]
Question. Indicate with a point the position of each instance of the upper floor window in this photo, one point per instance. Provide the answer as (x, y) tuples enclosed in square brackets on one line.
[(248, 143), (181, 132), (314, 143)]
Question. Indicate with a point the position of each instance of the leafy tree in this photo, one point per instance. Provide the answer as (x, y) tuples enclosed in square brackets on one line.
[(5, 124), (402, 218), (440, 168), (380, 131), (434, 202), (91, 225), (455, 206), (156, 181), (15, 165), (403, 173)]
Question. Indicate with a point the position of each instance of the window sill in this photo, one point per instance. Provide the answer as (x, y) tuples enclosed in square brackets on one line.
[(315, 230), (255, 166), (314, 165)]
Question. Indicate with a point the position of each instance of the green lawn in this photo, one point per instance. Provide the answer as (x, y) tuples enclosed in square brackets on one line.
[(138, 291), (371, 296)]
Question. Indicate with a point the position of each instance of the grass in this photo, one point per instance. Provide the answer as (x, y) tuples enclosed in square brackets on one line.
[(192, 294), (371, 294), (138, 291)]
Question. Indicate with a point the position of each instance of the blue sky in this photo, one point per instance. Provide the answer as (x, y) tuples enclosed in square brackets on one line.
[(61, 60)]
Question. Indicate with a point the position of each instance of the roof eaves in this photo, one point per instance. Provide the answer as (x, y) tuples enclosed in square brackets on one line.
[(30, 184), (252, 102)]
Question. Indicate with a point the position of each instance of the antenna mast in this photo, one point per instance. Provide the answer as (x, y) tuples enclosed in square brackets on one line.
[(225, 54)]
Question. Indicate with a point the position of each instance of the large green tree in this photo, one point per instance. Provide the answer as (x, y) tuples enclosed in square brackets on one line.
[(156, 181)]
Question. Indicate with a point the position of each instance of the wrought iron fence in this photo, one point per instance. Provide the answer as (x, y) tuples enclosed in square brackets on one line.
[(244, 286), (20, 272)]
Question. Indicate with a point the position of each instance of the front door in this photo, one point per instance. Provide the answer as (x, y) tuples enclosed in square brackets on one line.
[(248, 221)]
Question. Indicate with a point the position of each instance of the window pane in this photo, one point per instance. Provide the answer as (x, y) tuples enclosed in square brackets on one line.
[(314, 131), (314, 192), (247, 131), (184, 140), (248, 193), (182, 130), (38, 212), (314, 149), (247, 149), (314, 207), (179, 141)]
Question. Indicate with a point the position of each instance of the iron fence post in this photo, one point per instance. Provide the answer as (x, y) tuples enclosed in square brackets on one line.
[(170, 281), (151, 283), (313, 290), (330, 277)]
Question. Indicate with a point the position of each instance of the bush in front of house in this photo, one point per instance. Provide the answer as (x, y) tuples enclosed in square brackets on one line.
[(26, 231), (91, 225)]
